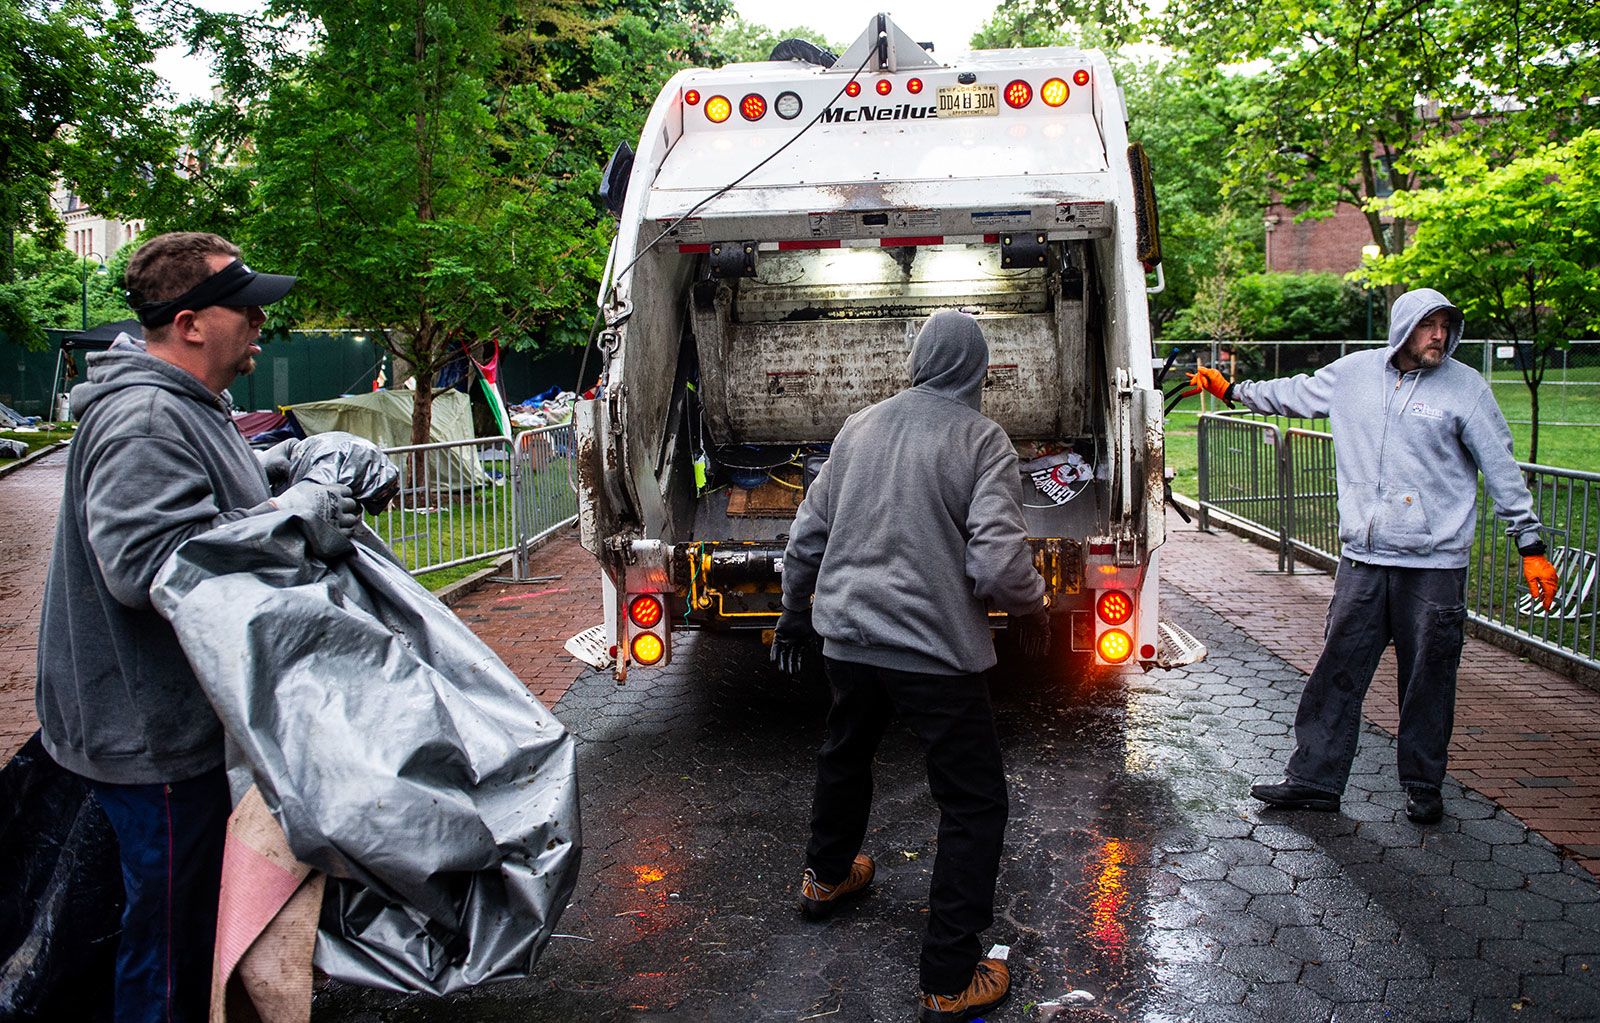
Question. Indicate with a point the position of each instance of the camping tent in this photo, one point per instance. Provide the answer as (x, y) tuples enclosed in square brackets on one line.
[(384, 417)]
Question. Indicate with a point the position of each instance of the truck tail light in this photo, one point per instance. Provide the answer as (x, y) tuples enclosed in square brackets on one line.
[(1019, 94), (645, 610), (650, 629), (914, 86), (884, 87), (1080, 77), (1114, 646), (1114, 607), (717, 109), (692, 97), (1054, 92), (753, 107)]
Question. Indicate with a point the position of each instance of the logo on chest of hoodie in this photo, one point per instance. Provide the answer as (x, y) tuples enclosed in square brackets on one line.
[(1426, 411)]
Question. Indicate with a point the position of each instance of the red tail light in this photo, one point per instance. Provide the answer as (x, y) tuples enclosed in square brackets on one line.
[(1019, 94), (884, 86), (1114, 607), (914, 86), (692, 97), (645, 610), (853, 88), (1080, 77), (753, 107)]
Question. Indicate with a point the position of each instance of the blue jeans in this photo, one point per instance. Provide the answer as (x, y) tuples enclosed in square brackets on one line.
[(169, 839), (1423, 611)]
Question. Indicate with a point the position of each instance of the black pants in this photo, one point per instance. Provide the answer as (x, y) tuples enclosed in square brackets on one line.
[(1423, 610), (952, 716)]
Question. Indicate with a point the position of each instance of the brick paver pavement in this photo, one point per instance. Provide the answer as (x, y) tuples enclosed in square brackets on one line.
[(29, 500), (1525, 737)]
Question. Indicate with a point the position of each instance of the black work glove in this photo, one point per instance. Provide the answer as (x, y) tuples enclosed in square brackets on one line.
[(1033, 634), (791, 639)]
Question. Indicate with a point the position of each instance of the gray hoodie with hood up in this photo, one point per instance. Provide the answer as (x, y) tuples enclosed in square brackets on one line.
[(155, 460), (913, 532), (1408, 447)]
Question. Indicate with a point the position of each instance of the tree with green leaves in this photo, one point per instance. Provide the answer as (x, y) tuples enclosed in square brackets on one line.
[(429, 171), (738, 40), (54, 288), (1515, 246), (82, 106)]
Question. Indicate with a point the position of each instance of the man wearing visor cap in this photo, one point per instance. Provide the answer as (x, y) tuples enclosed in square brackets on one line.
[(156, 459)]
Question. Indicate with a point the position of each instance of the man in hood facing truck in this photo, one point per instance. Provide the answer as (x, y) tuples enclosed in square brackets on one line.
[(909, 535), (156, 460), (1412, 429)]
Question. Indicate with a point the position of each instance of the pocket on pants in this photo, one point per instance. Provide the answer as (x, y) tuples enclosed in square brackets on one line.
[(1447, 630)]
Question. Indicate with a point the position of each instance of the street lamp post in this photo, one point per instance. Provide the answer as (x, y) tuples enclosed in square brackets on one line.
[(102, 269)]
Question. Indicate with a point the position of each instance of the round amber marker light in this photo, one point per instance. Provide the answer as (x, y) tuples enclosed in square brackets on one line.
[(1054, 92), (647, 648), (1115, 646), (718, 109)]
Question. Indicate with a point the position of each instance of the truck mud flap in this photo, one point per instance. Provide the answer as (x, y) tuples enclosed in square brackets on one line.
[(1176, 647)]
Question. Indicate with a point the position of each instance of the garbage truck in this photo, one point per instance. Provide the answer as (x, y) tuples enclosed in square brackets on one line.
[(785, 228)]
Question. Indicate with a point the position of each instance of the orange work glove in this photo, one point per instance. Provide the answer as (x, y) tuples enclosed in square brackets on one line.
[(1542, 579), (1207, 379)]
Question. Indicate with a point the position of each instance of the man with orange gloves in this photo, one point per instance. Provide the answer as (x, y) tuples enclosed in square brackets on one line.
[(1412, 429)]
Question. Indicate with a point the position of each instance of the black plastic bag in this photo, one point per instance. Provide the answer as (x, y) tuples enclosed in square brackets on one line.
[(61, 902)]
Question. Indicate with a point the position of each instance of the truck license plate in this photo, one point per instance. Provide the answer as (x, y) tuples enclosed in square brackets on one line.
[(981, 100)]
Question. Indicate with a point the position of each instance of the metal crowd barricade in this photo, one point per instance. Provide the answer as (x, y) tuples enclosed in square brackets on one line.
[(1280, 480), (466, 501), (1243, 474), (545, 498), (1567, 502)]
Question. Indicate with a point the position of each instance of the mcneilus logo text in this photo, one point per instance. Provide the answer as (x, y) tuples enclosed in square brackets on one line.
[(903, 112)]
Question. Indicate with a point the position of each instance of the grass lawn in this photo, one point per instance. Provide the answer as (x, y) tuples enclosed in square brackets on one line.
[(36, 439)]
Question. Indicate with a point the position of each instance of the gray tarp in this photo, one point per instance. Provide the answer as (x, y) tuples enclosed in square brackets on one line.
[(398, 753)]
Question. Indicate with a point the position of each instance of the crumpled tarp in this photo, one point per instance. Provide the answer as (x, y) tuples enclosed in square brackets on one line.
[(398, 753)]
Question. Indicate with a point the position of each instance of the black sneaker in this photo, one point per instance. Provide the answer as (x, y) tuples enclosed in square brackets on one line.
[(1287, 795), (1424, 805)]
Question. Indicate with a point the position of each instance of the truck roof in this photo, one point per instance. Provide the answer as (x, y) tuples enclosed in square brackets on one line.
[(870, 134)]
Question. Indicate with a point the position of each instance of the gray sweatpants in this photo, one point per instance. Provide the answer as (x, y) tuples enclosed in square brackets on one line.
[(1422, 610)]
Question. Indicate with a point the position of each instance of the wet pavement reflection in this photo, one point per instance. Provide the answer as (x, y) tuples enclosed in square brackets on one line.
[(1137, 867)]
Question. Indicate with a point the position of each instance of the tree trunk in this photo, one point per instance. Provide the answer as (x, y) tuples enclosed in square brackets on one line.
[(422, 413), (1533, 434)]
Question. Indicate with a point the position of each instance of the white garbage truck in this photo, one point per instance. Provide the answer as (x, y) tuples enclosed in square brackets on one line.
[(785, 227)]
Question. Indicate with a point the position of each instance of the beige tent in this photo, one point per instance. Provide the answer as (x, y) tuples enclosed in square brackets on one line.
[(384, 417)]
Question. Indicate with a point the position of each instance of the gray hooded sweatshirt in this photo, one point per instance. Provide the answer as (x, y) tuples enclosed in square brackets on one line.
[(913, 532), (1408, 447), (156, 459)]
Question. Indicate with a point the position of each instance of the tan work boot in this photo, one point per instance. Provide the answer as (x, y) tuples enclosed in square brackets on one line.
[(991, 985), (818, 900)]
